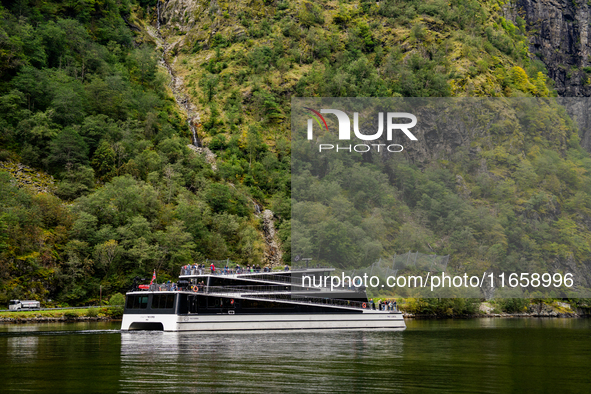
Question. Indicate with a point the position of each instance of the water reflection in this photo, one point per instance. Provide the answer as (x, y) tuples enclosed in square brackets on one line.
[(75, 357), (482, 355), (22, 349), (253, 361)]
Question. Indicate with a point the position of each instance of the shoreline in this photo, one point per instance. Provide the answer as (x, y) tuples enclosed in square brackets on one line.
[(408, 316), (61, 319), (498, 315)]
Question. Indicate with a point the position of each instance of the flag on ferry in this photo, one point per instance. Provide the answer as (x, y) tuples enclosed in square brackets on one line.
[(153, 277)]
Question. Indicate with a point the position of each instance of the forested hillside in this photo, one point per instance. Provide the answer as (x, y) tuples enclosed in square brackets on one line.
[(84, 100)]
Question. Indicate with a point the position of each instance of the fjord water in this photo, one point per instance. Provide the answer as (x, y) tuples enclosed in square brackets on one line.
[(479, 355)]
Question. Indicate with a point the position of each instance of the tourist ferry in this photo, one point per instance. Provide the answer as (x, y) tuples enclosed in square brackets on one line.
[(227, 300)]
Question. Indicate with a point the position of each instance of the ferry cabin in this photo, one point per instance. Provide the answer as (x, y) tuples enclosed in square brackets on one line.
[(187, 311)]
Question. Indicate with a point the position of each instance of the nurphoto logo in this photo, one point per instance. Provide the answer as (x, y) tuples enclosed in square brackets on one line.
[(345, 130)]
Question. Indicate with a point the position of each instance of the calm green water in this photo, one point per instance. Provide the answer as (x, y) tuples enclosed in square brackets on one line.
[(480, 355)]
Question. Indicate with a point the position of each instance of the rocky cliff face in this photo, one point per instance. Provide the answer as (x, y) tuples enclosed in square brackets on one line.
[(579, 109), (560, 36)]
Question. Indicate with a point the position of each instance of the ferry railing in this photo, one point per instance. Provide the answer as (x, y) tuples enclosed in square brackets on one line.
[(224, 271), (241, 271), (247, 289), (273, 277)]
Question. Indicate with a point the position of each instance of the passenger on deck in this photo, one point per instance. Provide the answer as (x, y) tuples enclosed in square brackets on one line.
[(212, 269), (286, 267)]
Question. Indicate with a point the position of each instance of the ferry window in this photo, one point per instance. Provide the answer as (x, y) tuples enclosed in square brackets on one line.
[(228, 303), (137, 302), (251, 304), (213, 302), (186, 304), (155, 301), (163, 301)]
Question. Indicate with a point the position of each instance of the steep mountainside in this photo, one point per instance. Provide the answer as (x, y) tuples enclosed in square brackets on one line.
[(83, 99), (112, 97), (252, 59)]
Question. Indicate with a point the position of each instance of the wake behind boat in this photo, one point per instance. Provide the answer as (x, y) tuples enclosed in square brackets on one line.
[(206, 300)]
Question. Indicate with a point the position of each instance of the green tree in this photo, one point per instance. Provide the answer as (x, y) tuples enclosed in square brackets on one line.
[(76, 182), (106, 253), (208, 84), (143, 65), (68, 149), (3, 235), (253, 141), (68, 103), (103, 161), (176, 244)]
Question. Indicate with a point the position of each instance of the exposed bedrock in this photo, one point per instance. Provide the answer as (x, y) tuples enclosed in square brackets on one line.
[(560, 36)]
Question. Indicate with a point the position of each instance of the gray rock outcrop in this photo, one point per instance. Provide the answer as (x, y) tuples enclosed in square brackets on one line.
[(272, 255), (560, 36)]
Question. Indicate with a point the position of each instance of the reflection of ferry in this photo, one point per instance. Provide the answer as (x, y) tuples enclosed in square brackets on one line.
[(252, 301)]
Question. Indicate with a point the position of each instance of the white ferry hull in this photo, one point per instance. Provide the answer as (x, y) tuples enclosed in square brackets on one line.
[(227, 322)]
